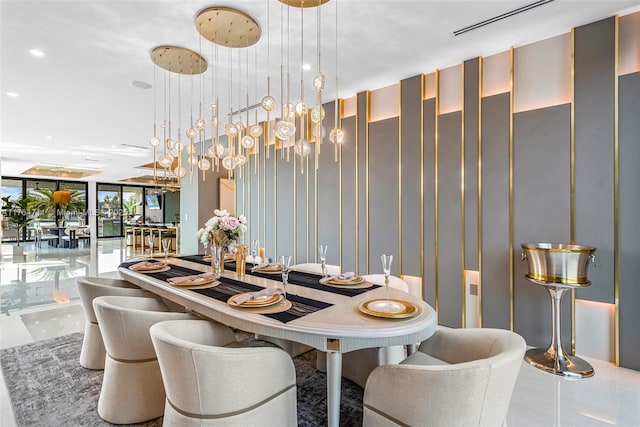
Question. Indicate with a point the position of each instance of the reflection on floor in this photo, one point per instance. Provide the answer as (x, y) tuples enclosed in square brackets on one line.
[(40, 301)]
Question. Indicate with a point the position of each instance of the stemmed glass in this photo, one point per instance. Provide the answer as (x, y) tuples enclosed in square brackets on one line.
[(386, 268), (254, 250), (166, 243), (323, 258), (150, 240), (285, 260)]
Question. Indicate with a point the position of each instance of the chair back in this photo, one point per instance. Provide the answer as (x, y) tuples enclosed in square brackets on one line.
[(394, 282), (233, 379), (312, 267), (458, 377), (125, 322), (90, 288)]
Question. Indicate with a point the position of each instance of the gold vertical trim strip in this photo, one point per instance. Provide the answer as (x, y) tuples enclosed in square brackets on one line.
[(315, 212), (295, 212), (422, 89), (368, 106), (275, 206), (616, 196), (339, 107), (462, 201), (572, 180), (480, 89), (248, 214), (357, 192), (400, 178), (511, 99), (306, 214), (435, 189), (264, 192)]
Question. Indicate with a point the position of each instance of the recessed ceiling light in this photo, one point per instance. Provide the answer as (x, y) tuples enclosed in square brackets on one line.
[(49, 137), (37, 53), (141, 85), (12, 94), (306, 67)]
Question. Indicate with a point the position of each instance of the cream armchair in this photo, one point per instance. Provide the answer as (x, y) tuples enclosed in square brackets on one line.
[(458, 377), (211, 380), (92, 355), (132, 389)]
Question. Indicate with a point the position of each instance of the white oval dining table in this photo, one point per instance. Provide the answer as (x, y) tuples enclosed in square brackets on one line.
[(337, 329)]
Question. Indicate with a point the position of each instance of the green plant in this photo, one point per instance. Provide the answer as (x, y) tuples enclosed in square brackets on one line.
[(41, 200), (17, 212)]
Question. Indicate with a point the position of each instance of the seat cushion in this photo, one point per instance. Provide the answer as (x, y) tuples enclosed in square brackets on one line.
[(420, 358)]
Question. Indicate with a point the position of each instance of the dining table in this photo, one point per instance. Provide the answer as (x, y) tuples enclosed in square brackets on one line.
[(333, 319)]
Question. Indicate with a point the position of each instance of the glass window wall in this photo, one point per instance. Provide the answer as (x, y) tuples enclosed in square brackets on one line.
[(109, 210)]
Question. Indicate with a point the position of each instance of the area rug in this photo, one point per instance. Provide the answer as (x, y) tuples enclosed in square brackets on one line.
[(48, 387)]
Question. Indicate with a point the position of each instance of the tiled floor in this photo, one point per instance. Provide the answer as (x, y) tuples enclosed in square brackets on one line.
[(40, 301)]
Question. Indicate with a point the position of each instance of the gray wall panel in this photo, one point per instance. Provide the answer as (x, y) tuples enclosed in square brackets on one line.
[(329, 196), (361, 131), (593, 103), (629, 232), (495, 212), (410, 131), (429, 283), (349, 195), (383, 193), (449, 220), (285, 205), (471, 95), (541, 212)]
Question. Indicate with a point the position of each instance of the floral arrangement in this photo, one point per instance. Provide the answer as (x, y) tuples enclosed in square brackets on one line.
[(231, 226)]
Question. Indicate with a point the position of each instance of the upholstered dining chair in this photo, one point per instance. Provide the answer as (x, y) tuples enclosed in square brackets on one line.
[(132, 390), (357, 365), (458, 377), (92, 355), (312, 267), (220, 382)]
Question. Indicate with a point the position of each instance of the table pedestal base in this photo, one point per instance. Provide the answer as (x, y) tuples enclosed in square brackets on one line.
[(565, 365)]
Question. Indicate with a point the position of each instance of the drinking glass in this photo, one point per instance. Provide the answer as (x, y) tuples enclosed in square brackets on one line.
[(166, 243), (323, 258), (150, 240), (285, 260), (386, 268), (216, 252), (254, 250)]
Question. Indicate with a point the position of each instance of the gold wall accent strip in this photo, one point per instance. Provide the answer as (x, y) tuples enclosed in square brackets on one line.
[(275, 207), (295, 212), (572, 180), (315, 212), (462, 201), (422, 89), (480, 88), (511, 98), (435, 189), (357, 197), (307, 211), (366, 136), (616, 196), (339, 107), (264, 184), (400, 178)]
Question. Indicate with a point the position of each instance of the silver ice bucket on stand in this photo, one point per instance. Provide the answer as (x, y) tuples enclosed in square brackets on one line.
[(558, 267)]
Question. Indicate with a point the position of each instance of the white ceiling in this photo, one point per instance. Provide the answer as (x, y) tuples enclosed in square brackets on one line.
[(77, 105)]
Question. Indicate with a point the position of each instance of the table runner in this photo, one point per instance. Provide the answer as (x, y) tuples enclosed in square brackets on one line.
[(300, 306), (308, 280)]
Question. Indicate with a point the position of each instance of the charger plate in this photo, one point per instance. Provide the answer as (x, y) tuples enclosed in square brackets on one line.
[(389, 308), (261, 301), (195, 282), (272, 269), (356, 280), (283, 305), (155, 268)]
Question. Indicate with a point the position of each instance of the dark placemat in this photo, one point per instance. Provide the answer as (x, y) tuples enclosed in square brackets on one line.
[(175, 271), (300, 306)]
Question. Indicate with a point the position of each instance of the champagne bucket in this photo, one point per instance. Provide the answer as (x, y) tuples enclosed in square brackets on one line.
[(558, 263)]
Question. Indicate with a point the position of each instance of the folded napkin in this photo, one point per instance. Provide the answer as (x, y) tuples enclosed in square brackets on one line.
[(146, 265), (176, 280), (263, 265), (249, 296), (344, 276)]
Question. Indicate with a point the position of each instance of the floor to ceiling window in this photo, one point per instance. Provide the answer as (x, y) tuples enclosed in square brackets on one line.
[(109, 210)]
